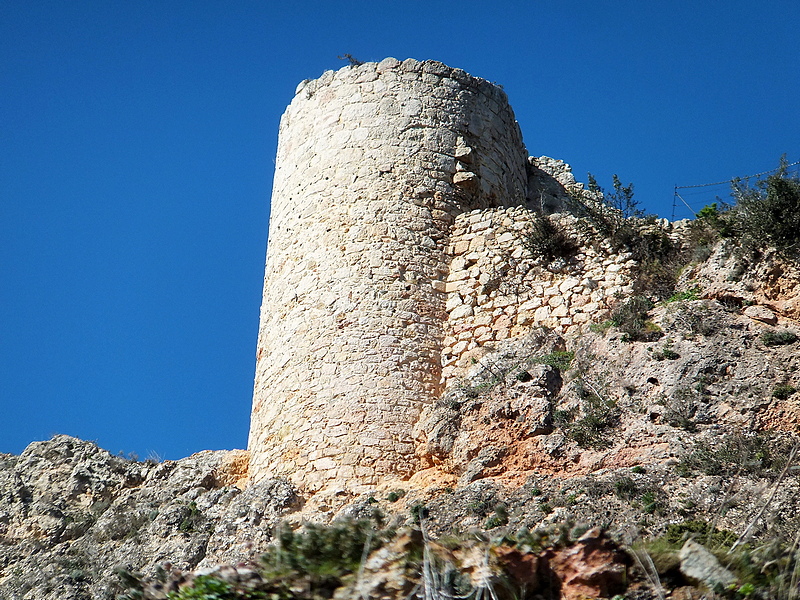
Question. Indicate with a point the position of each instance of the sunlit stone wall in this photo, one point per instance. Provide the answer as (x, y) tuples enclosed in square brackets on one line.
[(375, 162)]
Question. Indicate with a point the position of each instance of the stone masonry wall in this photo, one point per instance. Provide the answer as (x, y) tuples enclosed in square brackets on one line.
[(375, 163), (496, 290)]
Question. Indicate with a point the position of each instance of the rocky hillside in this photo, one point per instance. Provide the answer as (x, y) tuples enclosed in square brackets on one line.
[(653, 455)]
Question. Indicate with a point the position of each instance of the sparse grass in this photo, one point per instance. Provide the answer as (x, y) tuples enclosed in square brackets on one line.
[(591, 429), (601, 327), (762, 454), (692, 293), (558, 359), (681, 409)]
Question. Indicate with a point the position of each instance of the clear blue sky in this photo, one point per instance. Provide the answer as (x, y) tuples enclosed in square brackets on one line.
[(136, 154)]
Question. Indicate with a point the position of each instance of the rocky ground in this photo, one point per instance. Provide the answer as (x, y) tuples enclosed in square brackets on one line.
[(609, 463)]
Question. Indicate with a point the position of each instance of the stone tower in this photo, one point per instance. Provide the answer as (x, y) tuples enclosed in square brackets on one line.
[(374, 164)]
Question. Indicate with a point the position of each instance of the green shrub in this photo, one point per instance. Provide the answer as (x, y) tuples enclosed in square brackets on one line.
[(601, 327), (783, 391), (651, 504), (318, 555), (778, 337), (558, 359), (193, 519), (499, 518), (395, 495), (207, 587), (523, 376), (666, 353), (631, 319), (548, 241), (768, 212), (591, 429), (706, 533)]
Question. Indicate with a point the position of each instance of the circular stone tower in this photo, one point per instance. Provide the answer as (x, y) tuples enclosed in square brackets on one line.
[(374, 162)]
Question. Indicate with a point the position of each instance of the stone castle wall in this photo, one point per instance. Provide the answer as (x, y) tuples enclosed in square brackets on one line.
[(496, 290), (375, 163), (402, 198)]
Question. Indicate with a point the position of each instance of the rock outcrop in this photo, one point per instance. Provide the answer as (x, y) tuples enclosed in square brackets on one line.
[(71, 515)]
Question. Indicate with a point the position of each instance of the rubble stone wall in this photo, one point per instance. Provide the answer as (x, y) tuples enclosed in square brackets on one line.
[(496, 290)]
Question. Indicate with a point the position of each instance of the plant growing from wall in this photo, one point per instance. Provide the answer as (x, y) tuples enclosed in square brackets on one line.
[(615, 217), (548, 241)]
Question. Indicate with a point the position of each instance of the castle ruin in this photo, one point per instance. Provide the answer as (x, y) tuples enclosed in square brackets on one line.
[(401, 197)]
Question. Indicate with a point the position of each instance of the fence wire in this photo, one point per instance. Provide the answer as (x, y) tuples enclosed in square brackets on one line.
[(689, 199)]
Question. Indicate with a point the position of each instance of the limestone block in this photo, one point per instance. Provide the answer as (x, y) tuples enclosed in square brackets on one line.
[(461, 311), (506, 237), (568, 284), (453, 301), (761, 313), (552, 291)]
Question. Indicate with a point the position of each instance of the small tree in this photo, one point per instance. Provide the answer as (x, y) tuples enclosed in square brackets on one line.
[(768, 213)]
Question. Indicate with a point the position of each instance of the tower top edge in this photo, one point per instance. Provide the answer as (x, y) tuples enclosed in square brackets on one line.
[(358, 73)]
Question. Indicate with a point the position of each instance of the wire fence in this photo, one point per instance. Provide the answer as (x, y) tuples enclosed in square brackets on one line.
[(688, 200)]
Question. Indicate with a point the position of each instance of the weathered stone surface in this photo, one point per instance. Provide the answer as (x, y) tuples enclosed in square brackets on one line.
[(593, 567), (71, 514), (761, 313), (698, 564)]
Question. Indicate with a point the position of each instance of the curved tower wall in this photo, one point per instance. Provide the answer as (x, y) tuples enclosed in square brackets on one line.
[(374, 162)]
